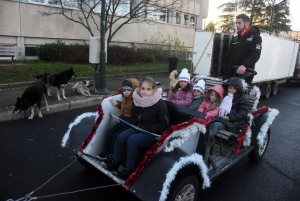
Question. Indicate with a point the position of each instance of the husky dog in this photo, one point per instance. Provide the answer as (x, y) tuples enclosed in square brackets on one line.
[(173, 79), (83, 87), (58, 80), (32, 95)]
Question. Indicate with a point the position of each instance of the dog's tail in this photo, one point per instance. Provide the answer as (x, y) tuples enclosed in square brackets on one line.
[(173, 78)]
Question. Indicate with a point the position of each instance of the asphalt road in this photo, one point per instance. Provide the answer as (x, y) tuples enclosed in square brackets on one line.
[(31, 154)]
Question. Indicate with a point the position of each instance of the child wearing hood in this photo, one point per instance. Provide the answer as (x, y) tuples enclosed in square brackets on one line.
[(128, 87), (182, 94), (198, 92), (212, 101), (234, 109)]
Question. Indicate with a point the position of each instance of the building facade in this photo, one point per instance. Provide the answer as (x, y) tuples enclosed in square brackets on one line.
[(23, 25)]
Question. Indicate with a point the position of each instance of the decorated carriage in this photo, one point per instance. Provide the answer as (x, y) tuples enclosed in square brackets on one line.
[(181, 162)]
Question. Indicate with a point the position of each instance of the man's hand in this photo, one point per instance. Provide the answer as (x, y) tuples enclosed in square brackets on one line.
[(113, 102), (241, 70)]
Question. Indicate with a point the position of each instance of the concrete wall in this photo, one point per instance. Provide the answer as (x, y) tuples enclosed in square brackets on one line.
[(23, 25)]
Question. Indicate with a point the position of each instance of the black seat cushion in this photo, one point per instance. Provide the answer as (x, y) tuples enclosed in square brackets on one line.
[(179, 114)]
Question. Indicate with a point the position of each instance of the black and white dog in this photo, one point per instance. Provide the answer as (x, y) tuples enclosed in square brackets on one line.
[(83, 87), (32, 95), (58, 80)]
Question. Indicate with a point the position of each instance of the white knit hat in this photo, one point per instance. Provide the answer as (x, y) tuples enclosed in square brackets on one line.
[(184, 75), (200, 86)]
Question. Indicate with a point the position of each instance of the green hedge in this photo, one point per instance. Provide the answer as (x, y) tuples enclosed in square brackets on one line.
[(116, 55), (59, 51)]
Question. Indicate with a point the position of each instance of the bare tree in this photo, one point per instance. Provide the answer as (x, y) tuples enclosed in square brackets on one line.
[(118, 12)]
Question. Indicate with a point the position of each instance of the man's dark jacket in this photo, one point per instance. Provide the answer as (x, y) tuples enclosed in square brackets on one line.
[(243, 51)]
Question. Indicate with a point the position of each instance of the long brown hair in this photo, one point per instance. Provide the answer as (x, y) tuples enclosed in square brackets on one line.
[(219, 99), (185, 89)]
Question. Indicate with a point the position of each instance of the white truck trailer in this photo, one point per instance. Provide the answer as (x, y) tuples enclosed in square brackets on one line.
[(276, 64)]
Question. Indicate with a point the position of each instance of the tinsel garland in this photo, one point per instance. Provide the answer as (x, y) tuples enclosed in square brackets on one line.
[(74, 123), (265, 127), (195, 159), (260, 110), (255, 91), (184, 135), (246, 130), (240, 139), (98, 121), (93, 131), (148, 156)]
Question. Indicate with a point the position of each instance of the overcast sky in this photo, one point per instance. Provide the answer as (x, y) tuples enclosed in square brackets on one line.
[(213, 12)]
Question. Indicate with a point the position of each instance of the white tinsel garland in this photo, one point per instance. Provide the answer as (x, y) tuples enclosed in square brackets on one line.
[(185, 134), (245, 85), (265, 127), (248, 136), (75, 122), (196, 159), (255, 91)]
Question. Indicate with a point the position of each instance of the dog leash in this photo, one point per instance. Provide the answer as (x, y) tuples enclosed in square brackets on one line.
[(29, 198)]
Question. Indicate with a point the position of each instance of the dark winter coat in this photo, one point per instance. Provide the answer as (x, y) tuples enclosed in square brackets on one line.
[(239, 110), (197, 100), (154, 119), (243, 51)]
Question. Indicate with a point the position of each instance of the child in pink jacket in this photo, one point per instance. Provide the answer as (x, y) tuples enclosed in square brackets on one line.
[(212, 101), (182, 94)]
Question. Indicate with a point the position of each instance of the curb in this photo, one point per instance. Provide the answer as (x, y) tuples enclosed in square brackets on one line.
[(54, 108)]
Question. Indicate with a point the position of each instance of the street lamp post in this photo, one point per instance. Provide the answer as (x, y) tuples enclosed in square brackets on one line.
[(101, 76)]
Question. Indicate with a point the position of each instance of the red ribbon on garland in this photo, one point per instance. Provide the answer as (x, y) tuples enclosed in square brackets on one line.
[(93, 131), (241, 137), (147, 158), (177, 127)]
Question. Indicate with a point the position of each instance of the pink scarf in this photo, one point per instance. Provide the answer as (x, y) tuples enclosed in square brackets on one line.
[(226, 104), (146, 101)]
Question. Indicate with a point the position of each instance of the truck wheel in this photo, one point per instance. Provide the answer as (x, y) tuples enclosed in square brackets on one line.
[(84, 163), (274, 87), (259, 151), (184, 189), (267, 91)]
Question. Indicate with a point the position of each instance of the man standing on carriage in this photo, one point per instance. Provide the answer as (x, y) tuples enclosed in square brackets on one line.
[(244, 50)]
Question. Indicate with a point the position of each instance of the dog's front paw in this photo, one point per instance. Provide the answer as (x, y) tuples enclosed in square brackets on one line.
[(47, 109), (40, 115), (30, 117), (65, 98)]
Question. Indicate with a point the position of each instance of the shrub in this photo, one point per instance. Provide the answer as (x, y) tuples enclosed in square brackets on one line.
[(59, 51)]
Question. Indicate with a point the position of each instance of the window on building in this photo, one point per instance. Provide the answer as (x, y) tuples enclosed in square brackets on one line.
[(151, 13), (192, 21), (157, 14), (186, 19), (178, 18), (30, 51), (162, 15), (123, 8)]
